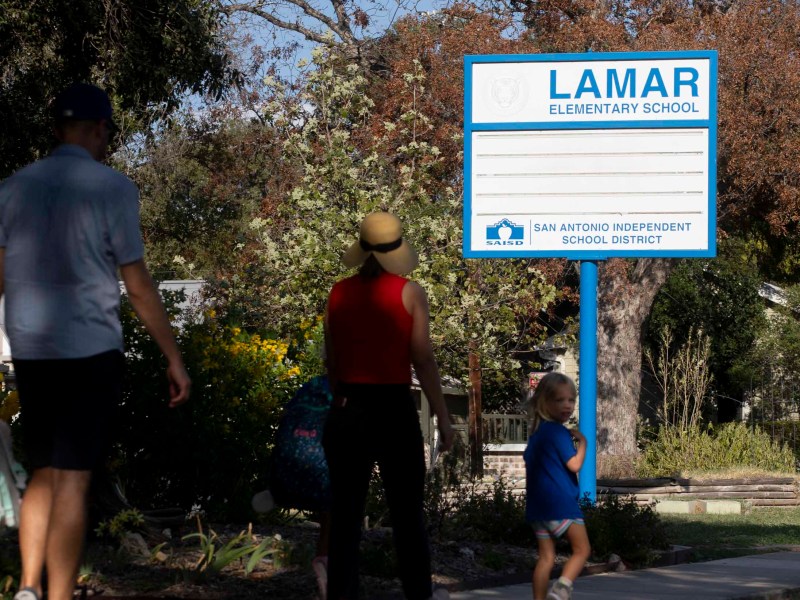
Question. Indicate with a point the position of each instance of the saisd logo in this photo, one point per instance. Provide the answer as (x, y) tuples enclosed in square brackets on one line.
[(505, 233)]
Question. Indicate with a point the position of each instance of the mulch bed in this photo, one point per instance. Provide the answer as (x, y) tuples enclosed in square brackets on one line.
[(115, 574)]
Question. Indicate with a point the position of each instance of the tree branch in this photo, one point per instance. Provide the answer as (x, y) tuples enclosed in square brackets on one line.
[(307, 33), (340, 27)]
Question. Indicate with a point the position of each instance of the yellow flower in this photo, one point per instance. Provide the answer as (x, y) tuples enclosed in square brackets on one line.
[(9, 406)]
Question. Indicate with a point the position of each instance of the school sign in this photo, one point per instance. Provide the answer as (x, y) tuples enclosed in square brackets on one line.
[(590, 156)]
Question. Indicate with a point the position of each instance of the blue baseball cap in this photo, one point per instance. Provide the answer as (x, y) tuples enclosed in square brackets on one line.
[(83, 102)]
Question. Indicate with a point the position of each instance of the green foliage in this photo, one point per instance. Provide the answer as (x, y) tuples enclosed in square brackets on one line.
[(721, 296), (147, 53), (490, 514), (202, 181), (695, 450), (348, 171), (459, 507), (377, 556), (215, 554), (443, 489), (492, 559), (125, 521), (618, 525), (770, 370), (10, 565), (215, 450), (9, 402), (784, 433), (376, 509), (683, 378)]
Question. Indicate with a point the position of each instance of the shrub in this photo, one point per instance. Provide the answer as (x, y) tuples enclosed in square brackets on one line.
[(10, 565), (490, 515), (124, 522), (784, 432), (696, 449), (215, 450), (618, 525)]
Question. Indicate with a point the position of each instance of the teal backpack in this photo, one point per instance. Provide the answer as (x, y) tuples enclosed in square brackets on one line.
[(299, 474), (12, 480)]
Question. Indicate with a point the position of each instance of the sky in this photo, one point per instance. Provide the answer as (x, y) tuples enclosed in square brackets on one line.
[(381, 16)]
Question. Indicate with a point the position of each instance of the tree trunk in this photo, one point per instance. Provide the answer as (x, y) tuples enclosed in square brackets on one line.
[(625, 296), (475, 411)]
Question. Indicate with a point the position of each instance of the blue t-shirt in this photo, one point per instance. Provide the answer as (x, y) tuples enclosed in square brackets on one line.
[(552, 489), (66, 223)]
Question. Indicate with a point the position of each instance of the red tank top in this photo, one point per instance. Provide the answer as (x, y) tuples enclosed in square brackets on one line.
[(370, 330)]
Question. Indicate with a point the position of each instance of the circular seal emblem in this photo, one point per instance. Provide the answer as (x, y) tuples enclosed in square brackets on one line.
[(508, 94)]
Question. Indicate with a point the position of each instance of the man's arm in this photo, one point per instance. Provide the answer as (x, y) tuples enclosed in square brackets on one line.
[(424, 361), (146, 302)]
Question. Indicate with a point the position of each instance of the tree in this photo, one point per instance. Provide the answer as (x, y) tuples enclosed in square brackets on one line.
[(148, 54), (348, 26), (202, 181), (769, 371), (347, 173), (721, 296), (758, 117), (757, 162)]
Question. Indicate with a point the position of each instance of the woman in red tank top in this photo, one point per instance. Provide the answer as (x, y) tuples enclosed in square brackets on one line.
[(376, 327)]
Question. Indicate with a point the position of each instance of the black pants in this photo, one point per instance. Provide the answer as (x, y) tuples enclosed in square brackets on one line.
[(377, 424)]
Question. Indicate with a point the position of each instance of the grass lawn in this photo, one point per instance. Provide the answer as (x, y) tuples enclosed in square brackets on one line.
[(723, 536)]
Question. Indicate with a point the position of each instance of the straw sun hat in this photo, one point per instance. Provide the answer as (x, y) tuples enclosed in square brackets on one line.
[(382, 236)]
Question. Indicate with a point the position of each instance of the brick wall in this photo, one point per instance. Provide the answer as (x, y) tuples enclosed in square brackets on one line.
[(508, 462)]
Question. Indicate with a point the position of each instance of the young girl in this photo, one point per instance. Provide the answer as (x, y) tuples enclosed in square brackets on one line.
[(552, 463)]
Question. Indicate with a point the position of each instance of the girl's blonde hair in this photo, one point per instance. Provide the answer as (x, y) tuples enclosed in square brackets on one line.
[(544, 391)]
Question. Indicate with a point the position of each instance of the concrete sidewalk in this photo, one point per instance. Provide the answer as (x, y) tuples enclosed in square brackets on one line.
[(765, 576)]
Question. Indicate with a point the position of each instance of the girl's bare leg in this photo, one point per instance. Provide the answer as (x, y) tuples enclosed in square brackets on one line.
[(579, 540), (544, 567)]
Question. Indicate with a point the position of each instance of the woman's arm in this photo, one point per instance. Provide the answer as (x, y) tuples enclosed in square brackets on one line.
[(416, 302)]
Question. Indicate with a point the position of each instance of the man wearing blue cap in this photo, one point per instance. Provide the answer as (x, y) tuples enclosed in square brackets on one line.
[(67, 225)]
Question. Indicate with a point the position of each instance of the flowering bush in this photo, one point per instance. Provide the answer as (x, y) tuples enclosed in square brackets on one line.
[(9, 402), (215, 450)]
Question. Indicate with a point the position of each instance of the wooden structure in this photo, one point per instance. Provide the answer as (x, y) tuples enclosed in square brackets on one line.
[(762, 491)]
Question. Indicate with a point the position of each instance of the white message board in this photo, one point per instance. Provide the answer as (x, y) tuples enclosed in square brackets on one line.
[(591, 155)]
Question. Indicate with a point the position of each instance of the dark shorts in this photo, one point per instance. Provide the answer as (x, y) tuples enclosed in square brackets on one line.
[(68, 409)]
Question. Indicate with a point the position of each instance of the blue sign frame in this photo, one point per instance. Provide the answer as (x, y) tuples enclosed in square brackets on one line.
[(710, 124)]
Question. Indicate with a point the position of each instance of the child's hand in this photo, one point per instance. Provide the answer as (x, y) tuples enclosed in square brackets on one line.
[(577, 435)]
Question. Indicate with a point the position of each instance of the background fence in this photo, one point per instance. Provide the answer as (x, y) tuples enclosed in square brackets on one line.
[(772, 403)]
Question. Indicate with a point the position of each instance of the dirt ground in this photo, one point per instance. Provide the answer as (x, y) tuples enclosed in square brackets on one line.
[(171, 571)]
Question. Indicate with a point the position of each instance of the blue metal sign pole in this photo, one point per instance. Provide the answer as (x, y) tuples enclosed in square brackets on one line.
[(587, 375)]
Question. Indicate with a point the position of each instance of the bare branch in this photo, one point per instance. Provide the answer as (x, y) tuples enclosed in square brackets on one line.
[(307, 33), (339, 27)]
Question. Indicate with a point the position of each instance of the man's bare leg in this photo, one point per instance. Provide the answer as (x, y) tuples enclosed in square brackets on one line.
[(66, 532), (33, 527)]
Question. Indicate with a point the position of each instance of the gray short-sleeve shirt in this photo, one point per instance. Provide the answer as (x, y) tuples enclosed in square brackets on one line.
[(66, 223)]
